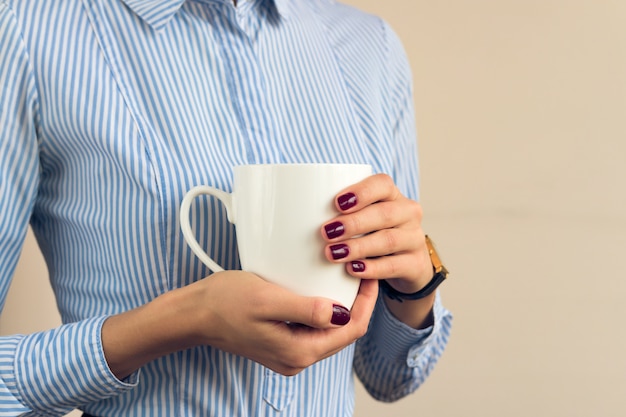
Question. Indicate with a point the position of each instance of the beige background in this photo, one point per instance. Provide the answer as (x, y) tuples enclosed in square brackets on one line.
[(521, 108)]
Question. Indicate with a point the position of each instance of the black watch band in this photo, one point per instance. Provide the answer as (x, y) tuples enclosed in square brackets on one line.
[(427, 290), (441, 273)]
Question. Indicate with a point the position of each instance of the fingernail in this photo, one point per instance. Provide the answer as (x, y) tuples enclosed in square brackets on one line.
[(339, 251), (334, 229), (358, 266), (341, 315), (346, 201)]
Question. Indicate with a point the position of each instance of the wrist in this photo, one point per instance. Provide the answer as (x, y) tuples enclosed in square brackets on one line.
[(438, 274), (408, 286), (163, 326), (417, 314), (180, 317)]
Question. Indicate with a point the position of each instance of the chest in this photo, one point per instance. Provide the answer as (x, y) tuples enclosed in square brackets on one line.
[(188, 102)]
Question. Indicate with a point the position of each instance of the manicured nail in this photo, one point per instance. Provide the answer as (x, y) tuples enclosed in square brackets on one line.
[(339, 251), (358, 266), (334, 229), (346, 201), (341, 315)]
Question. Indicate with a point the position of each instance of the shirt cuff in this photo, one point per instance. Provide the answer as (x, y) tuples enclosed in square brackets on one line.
[(399, 342), (58, 370)]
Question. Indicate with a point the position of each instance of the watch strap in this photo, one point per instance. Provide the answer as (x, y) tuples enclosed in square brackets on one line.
[(394, 294)]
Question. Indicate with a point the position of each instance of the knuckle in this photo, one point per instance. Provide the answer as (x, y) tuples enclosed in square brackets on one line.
[(390, 241), (294, 363), (390, 185), (361, 330), (417, 211), (295, 369), (288, 370), (387, 213), (391, 269), (318, 313), (303, 362), (299, 359), (366, 192), (387, 180), (353, 223)]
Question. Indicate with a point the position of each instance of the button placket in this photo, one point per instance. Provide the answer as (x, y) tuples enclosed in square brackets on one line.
[(247, 82)]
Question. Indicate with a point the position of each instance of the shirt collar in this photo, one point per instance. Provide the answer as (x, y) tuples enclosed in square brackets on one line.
[(283, 7), (158, 13)]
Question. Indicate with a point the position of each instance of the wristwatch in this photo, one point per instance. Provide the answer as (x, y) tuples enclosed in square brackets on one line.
[(441, 273)]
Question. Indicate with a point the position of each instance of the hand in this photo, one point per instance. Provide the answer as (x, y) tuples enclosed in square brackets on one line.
[(378, 235), (240, 313), (277, 328)]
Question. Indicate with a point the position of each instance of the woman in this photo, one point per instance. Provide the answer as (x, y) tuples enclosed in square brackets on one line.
[(111, 111)]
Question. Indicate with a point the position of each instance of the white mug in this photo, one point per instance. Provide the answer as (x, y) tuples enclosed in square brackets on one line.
[(278, 211)]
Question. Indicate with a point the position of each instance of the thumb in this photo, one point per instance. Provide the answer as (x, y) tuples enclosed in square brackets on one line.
[(317, 312)]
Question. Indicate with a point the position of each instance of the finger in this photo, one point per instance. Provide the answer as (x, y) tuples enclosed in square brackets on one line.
[(317, 344), (361, 312), (406, 266), (374, 217), (365, 301), (378, 187), (316, 312), (381, 243)]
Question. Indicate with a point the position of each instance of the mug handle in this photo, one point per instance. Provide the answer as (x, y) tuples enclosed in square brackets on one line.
[(185, 225)]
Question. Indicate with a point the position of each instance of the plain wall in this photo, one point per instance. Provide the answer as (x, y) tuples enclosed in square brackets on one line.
[(521, 110)]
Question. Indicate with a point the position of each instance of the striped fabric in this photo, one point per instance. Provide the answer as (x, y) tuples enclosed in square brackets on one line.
[(110, 110)]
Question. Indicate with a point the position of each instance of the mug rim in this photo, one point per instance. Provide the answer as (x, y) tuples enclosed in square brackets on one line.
[(304, 164)]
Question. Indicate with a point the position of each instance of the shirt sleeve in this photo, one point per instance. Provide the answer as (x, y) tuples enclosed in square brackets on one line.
[(392, 360), (51, 373), (47, 373)]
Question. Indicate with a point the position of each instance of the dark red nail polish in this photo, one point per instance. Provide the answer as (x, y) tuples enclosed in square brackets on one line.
[(341, 315), (334, 229), (358, 266), (346, 201), (339, 251)]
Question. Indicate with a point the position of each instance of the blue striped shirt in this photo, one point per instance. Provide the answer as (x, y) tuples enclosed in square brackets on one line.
[(110, 111)]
